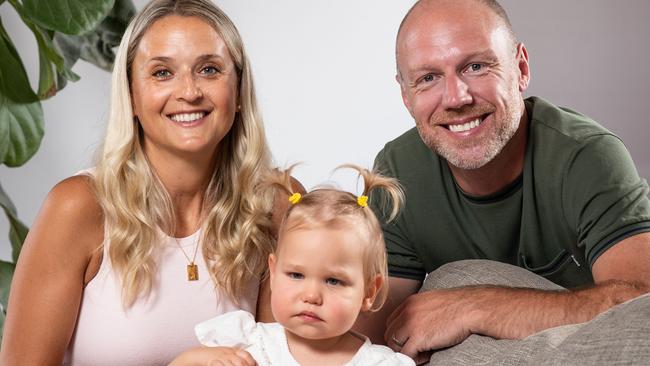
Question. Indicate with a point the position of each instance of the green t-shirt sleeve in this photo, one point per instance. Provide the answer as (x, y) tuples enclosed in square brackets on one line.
[(403, 260), (604, 198)]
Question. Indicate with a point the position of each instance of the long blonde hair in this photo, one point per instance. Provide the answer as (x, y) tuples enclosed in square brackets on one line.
[(333, 208), (236, 229)]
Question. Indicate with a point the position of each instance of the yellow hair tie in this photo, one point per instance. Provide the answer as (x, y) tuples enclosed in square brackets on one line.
[(362, 200), (295, 198)]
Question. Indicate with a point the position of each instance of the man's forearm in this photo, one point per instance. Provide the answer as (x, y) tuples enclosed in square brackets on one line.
[(515, 313)]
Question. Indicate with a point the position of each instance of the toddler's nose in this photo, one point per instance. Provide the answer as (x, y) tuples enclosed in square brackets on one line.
[(312, 295)]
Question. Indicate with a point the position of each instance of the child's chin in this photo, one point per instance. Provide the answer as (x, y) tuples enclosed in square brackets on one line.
[(314, 334)]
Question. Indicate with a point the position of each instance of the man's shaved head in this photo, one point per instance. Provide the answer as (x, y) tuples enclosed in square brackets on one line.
[(431, 5)]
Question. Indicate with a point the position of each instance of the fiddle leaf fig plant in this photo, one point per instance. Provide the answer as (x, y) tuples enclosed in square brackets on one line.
[(65, 31)]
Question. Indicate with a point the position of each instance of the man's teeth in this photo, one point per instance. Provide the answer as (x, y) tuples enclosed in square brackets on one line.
[(187, 117), (465, 126)]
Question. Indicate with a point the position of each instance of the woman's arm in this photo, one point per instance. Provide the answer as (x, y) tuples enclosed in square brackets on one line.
[(58, 258)]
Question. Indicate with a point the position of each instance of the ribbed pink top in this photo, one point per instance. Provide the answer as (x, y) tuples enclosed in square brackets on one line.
[(154, 330)]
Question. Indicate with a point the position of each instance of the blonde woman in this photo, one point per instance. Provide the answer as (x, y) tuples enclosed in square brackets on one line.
[(165, 232)]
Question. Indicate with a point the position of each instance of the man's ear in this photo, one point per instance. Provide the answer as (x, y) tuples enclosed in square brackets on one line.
[(371, 292), (402, 89), (523, 66)]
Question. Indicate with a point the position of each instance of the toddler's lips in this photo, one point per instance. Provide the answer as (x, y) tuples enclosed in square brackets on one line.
[(309, 316)]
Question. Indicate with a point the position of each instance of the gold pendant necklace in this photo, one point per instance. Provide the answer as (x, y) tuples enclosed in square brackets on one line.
[(192, 269), (192, 272)]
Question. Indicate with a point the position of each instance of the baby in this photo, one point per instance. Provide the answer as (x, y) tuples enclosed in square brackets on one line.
[(329, 265)]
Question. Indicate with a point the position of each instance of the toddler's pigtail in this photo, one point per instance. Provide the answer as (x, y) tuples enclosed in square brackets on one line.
[(393, 195), (280, 180)]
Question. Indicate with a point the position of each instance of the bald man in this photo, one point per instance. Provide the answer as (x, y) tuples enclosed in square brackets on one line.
[(491, 175)]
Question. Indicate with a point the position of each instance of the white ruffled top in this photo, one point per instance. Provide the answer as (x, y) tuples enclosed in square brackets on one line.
[(267, 342)]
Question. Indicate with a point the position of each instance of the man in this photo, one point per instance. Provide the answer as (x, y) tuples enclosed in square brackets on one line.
[(489, 175)]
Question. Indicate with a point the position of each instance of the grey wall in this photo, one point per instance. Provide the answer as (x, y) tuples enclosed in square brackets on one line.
[(324, 74), (591, 55)]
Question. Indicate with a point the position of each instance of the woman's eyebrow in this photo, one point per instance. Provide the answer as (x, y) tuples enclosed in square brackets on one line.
[(199, 58)]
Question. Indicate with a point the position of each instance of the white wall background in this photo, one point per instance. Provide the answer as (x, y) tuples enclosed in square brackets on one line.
[(324, 75)]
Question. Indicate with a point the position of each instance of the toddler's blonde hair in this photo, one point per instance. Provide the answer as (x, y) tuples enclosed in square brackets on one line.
[(333, 208)]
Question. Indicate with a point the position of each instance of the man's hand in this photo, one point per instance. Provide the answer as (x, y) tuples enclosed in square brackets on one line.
[(429, 320)]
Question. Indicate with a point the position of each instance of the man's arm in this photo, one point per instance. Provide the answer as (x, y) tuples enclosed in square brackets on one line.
[(442, 318)]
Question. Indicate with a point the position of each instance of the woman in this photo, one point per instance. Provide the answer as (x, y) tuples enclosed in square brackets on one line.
[(109, 273)]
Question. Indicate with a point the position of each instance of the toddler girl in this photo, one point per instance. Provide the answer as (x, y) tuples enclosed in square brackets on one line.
[(329, 265)]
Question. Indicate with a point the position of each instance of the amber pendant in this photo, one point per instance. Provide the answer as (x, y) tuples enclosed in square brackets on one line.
[(192, 272)]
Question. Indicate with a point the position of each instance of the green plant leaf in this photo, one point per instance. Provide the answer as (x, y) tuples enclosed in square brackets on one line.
[(47, 76), (6, 274), (67, 16), (13, 77), (21, 130), (97, 46), (18, 231), (2, 322), (54, 55), (49, 82), (70, 49), (52, 63)]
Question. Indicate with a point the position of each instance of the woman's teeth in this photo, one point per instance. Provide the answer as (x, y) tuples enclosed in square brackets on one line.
[(187, 117)]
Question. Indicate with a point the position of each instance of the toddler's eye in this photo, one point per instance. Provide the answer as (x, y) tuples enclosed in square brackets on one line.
[(333, 281), (295, 275)]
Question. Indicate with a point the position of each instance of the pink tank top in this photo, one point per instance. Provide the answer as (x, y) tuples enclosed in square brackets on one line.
[(154, 330)]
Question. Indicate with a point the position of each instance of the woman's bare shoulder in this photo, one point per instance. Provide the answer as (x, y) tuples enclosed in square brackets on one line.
[(75, 197), (70, 226), (72, 205)]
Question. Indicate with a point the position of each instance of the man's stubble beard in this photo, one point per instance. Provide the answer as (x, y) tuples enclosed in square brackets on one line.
[(462, 156)]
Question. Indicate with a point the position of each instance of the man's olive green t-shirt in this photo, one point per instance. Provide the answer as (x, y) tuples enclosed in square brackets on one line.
[(578, 195)]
